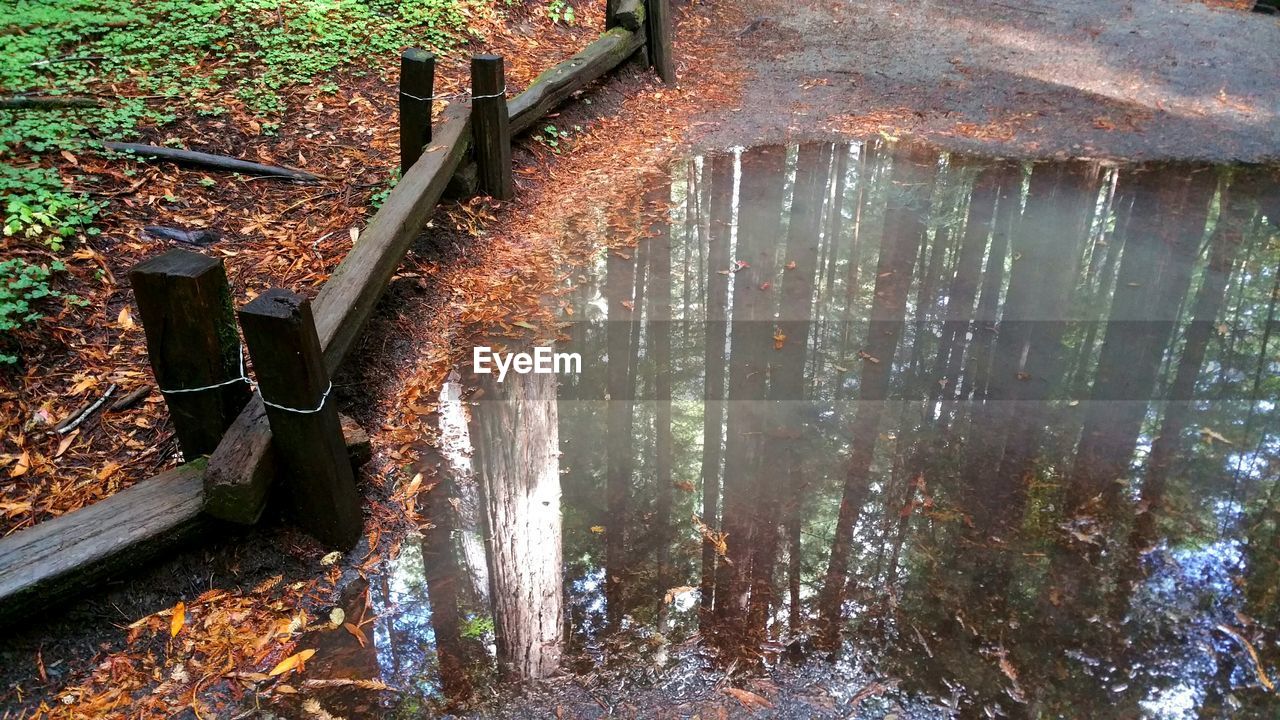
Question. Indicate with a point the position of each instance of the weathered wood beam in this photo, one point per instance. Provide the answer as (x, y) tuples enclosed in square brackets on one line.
[(489, 126), (241, 469), (320, 489), (209, 160), (417, 85), (630, 14), (57, 559), (555, 86), (658, 29), (184, 302)]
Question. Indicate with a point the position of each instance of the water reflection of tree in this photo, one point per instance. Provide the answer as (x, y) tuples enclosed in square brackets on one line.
[(1035, 355)]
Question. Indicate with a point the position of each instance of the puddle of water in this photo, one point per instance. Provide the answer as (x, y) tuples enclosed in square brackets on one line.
[(870, 429)]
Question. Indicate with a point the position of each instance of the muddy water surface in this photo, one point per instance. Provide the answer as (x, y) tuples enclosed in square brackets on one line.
[(866, 431)]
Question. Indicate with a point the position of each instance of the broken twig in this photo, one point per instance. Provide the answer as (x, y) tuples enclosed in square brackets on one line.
[(74, 422)]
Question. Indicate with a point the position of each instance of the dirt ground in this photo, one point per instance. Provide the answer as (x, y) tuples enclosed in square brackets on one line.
[(1168, 79), (1162, 79)]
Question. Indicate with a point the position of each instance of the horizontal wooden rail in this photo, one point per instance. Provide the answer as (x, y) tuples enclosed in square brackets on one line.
[(556, 85), (58, 557)]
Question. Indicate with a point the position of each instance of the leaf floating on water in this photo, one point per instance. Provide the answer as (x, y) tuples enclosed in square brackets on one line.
[(1253, 655), (779, 339), (597, 529), (357, 633), (525, 324), (675, 592), (749, 700), (791, 265), (295, 660), (337, 617), (178, 620), (1211, 435), (331, 558), (864, 356)]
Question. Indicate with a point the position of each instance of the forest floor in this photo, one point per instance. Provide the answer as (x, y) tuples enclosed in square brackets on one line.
[(1173, 79)]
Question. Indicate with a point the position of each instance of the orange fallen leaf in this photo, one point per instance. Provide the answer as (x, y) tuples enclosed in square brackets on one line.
[(22, 466), (293, 661), (779, 339), (357, 633), (179, 618), (124, 319)]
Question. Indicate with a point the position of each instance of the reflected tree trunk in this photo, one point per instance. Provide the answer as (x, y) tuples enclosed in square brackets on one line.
[(1168, 222), (515, 433), (760, 219), (913, 176), (659, 324), (1008, 212), (786, 375), (718, 261), (444, 581), (1056, 217), (618, 288), (963, 291), (1237, 211)]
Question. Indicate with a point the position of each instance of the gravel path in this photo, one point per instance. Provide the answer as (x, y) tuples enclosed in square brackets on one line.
[(1160, 79)]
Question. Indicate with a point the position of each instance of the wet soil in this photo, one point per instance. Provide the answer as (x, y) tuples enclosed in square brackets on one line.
[(1034, 78)]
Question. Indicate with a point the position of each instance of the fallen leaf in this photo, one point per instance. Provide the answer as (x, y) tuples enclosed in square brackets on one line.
[(357, 633), (749, 700), (331, 558), (293, 661), (779, 339), (337, 617), (179, 618), (1211, 435), (125, 319), (22, 466)]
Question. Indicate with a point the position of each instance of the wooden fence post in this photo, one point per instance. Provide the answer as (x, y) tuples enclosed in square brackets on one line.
[(185, 307), (490, 126), (658, 30), (417, 86), (306, 433)]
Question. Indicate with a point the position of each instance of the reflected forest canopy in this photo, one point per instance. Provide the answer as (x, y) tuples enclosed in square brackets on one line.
[(998, 436)]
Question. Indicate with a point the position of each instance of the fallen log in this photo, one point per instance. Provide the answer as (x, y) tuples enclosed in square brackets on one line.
[(48, 102), (242, 469), (209, 160), (58, 558), (556, 85)]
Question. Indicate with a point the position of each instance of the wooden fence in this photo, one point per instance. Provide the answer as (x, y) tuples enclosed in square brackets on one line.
[(290, 428)]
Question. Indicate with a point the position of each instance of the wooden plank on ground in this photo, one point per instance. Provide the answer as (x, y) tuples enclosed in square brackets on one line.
[(556, 85), (58, 557)]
